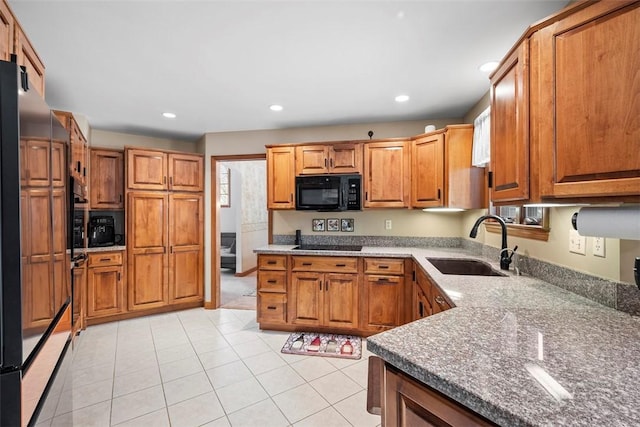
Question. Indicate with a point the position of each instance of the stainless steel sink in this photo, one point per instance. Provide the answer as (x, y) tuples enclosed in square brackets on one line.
[(465, 267)]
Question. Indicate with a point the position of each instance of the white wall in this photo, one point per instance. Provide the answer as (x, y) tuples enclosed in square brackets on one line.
[(106, 139)]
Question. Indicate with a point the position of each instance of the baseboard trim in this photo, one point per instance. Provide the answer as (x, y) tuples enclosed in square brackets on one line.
[(208, 305), (246, 273)]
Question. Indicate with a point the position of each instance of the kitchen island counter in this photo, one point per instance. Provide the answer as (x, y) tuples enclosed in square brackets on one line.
[(506, 337)]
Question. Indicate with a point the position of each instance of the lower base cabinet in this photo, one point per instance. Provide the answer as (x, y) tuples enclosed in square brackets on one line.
[(407, 402), (105, 284)]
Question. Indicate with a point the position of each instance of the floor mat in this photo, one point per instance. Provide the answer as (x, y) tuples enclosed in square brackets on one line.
[(327, 345)]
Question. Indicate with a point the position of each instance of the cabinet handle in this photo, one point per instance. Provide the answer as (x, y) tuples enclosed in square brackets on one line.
[(326, 285), (271, 262), (383, 279), (383, 267), (105, 259), (320, 286), (331, 163), (325, 163), (341, 265), (438, 194), (366, 195), (84, 171), (490, 180), (271, 307), (291, 197), (306, 263), (164, 179), (171, 180), (118, 276), (78, 165), (272, 281), (171, 249), (439, 300), (120, 198), (420, 309)]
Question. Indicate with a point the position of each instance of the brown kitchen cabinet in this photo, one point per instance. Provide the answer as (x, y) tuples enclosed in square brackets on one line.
[(510, 128), (186, 247), (587, 112), (387, 174), (106, 185), (79, 296), (421, 295), (317, 159), (28, 57), (324, 292), (442, 175), (147, 257), (272, 289), (105, 284), (78, 148), (408, 402), (7, 21), (384, 286), (280, 177), (161, 170)]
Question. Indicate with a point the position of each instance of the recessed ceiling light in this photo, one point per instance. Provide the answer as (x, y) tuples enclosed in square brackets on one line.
[(275, 107), (402, 98), (169, 115), (488, 67)]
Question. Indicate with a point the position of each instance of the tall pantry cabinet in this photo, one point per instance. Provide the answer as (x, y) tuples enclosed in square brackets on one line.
[(165, 228)]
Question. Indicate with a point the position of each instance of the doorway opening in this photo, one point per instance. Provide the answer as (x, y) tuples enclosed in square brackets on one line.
[(240, 223)]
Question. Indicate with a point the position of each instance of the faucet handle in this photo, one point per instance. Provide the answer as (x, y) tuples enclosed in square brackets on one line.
[(513, 252)]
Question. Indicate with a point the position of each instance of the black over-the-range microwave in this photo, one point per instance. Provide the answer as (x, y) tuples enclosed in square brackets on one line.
[(329, 192)]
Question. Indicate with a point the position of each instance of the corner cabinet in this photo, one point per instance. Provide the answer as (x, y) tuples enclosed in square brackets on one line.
[(387, 174), (442, 175), (281, 177), (589, 111)]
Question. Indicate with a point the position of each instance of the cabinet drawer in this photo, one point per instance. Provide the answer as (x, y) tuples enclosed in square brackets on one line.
[(331, 264), (104, 259), (374, 278), (384, 266), (272, 262), (272, 308), (272, 281)]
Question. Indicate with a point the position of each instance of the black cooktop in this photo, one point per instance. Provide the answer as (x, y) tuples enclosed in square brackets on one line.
[(353, 248)]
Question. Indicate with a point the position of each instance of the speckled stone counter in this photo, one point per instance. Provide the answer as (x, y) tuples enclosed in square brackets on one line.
[(505, 337)]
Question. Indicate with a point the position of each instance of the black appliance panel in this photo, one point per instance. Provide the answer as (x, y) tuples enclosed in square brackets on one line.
[(102, 231), (328, 192)]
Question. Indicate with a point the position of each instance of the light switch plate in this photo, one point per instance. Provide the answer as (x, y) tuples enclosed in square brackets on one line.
[(599, 247), (577, 243)]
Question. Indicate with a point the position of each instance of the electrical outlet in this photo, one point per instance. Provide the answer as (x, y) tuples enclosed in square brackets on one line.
[(387, 224), (598, 246), (577, 243)]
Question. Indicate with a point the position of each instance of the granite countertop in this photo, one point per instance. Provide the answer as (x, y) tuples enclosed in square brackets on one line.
[(508, 335), (99, 249)]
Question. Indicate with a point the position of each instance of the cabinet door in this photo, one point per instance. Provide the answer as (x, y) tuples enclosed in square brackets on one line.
[(105, 294), (79, 286), (58, 159), (510, 128), (280, 178), (40, 292), (147, 250), (387, 179), (28, 58), (186, 240), (312, 160), (427, 157), (186, 172), (61, 272), (408, 403), (382, 301), (306, 296), (345, 158), (6, 32), (37, 163), (340, 300), (590, 131), (146, 170), (106, 185)]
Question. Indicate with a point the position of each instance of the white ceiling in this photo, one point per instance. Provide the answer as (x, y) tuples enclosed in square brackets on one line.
[(219, 64)]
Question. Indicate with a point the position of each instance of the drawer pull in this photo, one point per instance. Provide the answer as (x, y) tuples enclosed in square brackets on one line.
[(272, 281), (383, 279), (439, 300), (383, 267), (341, 265), (271, 262), (271, 307), (105, 259), (307, 263)]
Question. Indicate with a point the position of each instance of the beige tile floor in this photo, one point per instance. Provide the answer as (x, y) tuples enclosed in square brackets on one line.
[(202, 368)]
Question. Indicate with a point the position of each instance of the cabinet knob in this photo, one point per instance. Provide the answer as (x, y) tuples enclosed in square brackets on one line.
[(439, 300)]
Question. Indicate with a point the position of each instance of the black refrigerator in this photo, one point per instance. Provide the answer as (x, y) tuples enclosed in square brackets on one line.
[(35, 254)]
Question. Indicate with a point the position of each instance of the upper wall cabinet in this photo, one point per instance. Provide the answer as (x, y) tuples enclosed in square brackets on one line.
[(510, 128), (79, 148), (589, 107), (28, 57), (323, 159), (107, 179), (280, 177), (6, 32), (159, 170), (564, 109), (442, 175), (387, 174)]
